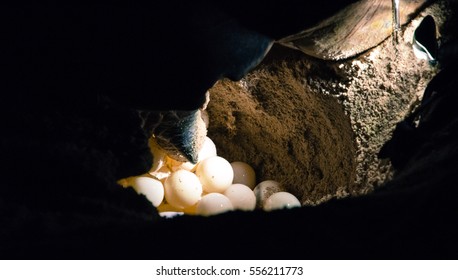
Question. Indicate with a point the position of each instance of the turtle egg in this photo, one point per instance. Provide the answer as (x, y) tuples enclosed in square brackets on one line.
[(149, 187), (241, 197), (263, 190), (243, 174), (212, 204), (215, 173), (281, 200), (182, 189)]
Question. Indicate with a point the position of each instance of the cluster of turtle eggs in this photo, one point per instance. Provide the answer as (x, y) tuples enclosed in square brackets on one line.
[(210, 187)]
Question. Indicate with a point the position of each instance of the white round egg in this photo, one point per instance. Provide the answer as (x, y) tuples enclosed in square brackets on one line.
[(241, 197), (151, 188), (182, 189), (243, 174), (212, 204), (281, 200), (263, 190), (215, 173)]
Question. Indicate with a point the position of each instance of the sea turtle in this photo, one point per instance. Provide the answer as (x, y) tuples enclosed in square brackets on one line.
[(354, 27)]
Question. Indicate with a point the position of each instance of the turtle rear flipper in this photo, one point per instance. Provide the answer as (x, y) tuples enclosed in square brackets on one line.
[(180, 133)]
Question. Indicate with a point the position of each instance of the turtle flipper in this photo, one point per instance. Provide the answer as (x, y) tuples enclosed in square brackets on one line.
[(180, 133)]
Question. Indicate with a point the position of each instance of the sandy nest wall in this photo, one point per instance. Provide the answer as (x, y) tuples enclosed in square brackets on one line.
[(317, 126), (284, 130)]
